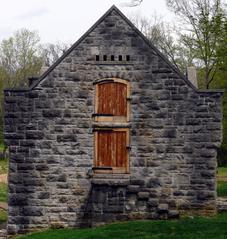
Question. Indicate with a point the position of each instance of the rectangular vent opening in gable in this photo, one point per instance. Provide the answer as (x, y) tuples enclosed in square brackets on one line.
[(104, 57), (113, 58)]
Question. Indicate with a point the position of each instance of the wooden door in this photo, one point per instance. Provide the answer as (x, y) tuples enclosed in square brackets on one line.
[(112, 101), (112, 150)]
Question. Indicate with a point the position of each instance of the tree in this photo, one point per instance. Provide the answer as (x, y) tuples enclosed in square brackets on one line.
[(19, 60), (201, 32), (19, 57), (51, 52), (222, 50), (164, 37)]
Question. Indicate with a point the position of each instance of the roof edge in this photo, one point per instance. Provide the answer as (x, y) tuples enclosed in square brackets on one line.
[(52, 67), (211, 91)]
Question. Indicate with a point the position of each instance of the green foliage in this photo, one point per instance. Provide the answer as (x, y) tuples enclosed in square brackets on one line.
[(3, 216), (202, 32), (3, 192), (222, 189), (222, 51), (19, 57), (3, 166), (222, 172), (1, 132), (1, 146), (186, 228), (221, 184)]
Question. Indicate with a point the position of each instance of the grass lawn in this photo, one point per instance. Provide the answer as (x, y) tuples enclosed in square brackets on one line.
[(186, 228)]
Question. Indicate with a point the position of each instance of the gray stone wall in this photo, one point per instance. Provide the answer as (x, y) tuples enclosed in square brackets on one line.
[(175, 131)]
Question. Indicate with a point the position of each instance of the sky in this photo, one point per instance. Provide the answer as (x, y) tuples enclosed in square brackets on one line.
[(65, 21)]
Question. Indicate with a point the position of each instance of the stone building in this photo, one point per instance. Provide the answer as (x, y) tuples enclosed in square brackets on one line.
[(112, 131)]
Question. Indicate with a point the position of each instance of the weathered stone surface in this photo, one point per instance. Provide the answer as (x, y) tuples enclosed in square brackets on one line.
[(163, 208), (143, 195), (173, 214), (174, 133)]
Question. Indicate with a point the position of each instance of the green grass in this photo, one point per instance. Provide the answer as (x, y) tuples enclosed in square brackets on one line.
[(187, 228), (3, 192)]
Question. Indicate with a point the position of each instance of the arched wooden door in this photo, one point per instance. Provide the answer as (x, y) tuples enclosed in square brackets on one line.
[(112, 143)]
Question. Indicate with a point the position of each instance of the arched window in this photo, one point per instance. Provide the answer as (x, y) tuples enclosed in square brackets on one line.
[(112, 100)]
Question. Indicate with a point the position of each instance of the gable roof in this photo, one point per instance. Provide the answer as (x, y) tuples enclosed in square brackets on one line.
[(113, 8)]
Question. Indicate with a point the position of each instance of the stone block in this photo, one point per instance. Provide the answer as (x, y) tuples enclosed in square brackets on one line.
[(143, 195), (163, 208)]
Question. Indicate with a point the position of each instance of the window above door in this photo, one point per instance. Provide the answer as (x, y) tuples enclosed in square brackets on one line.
[(112, 98)]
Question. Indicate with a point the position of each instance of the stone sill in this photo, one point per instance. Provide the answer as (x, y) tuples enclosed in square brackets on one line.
[(111, 179)]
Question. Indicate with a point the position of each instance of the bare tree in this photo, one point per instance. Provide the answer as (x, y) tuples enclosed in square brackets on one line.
[(51, 52), (165, 37), (201, 30)]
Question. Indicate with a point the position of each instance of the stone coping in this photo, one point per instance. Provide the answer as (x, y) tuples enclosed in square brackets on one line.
[(111, 179)]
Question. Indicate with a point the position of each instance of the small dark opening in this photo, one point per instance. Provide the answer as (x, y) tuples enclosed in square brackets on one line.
[(120, 57), (97, 57), (105, 57), (112, 57), (128, 58)]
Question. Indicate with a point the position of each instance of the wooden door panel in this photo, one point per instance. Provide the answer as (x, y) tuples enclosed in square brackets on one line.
[(104, 149), (121, 151), (112, 99), (112, 149), (120, 99)]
